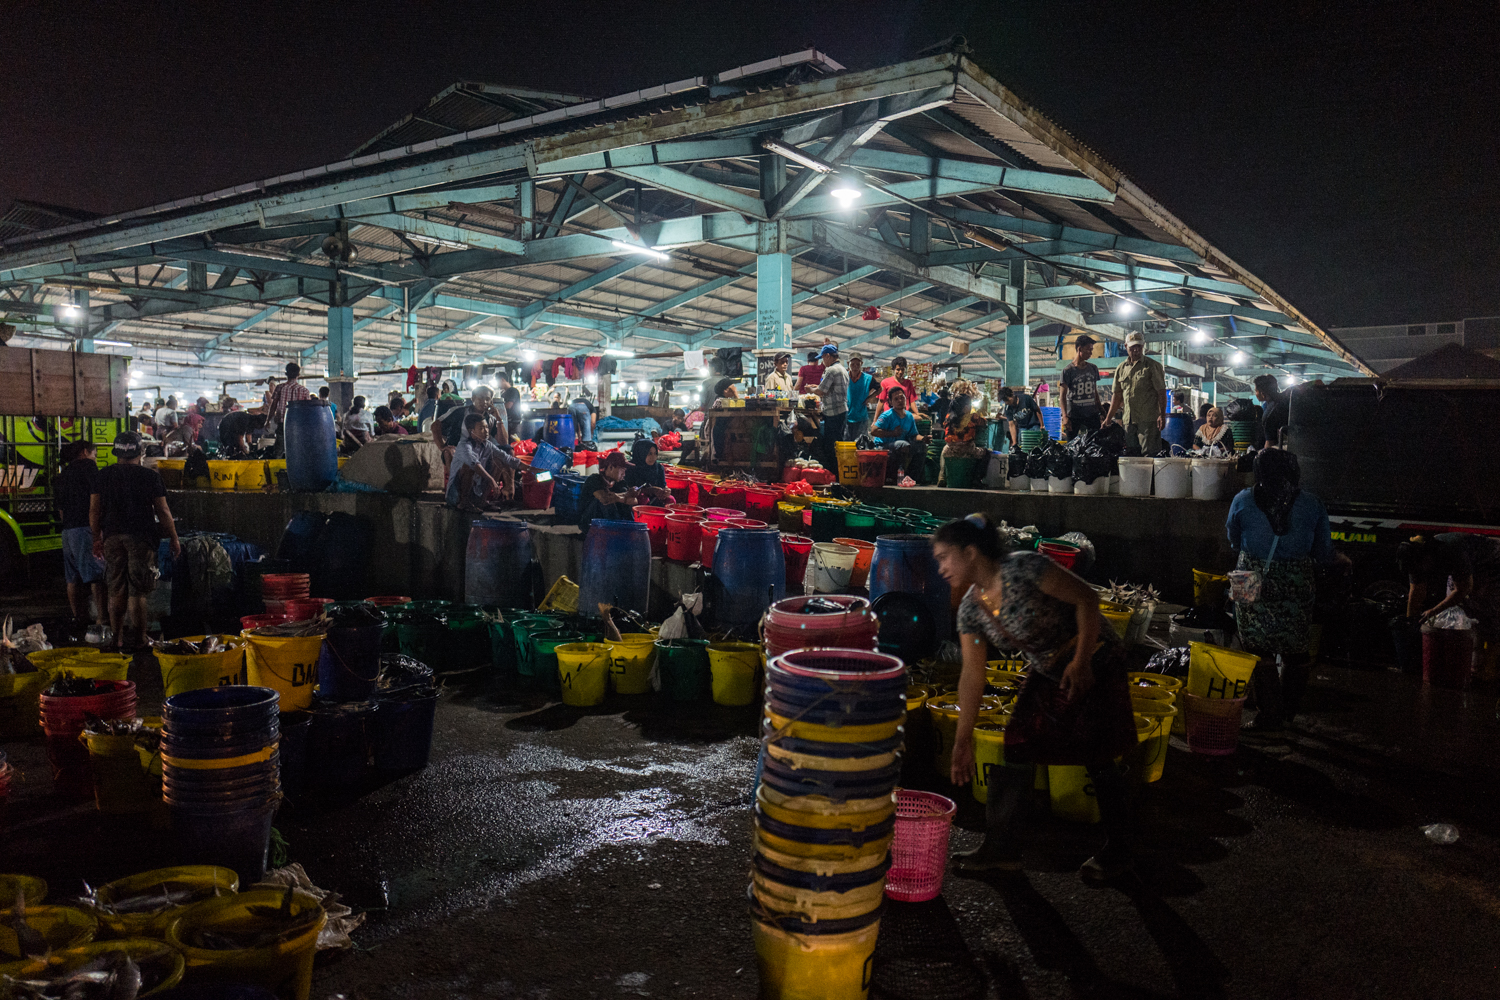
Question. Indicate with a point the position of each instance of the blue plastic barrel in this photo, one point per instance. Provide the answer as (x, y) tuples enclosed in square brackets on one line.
[(1179, 429), (548, 459), (904, 564), (402, 730), (558, 431), (349, 663), (497, 562), (750, 570), (616, 566), (312, 451)]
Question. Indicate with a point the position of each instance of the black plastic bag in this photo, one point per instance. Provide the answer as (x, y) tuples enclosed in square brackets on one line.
[(1241, 410), (1173, 662), (1109, 440), (1059, 461), (1089, 466), (1036, 463)]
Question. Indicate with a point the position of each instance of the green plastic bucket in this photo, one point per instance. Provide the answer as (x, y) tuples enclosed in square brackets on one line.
[(859, 522), (959, 472), (544, 658), (682, 665)]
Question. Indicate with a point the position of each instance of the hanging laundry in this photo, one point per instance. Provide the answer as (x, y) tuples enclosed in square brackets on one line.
[(411, 377), (692, 360), (608, 366), (591, 366), (536, 372)]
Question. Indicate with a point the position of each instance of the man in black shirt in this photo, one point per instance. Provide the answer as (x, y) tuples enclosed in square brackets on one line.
[(1080, 390), (72, 489), (127, 513), (511, 397), (236, 430)]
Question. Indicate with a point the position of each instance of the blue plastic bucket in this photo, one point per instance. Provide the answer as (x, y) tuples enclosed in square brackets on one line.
[(237, 839), (496, 563), (402, 731), (548, 459), (294, 727), (616, 566), (842, 882), (558, 431), (817, 835), (349, 663), (750, 572)]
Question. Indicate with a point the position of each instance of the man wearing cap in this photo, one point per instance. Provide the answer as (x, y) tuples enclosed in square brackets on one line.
[(1080, 390), (128, 512), (1140, 398), (833, 390), (780, 379)]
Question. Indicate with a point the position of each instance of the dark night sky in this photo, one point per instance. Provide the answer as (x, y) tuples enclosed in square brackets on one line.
[(1348, 156)]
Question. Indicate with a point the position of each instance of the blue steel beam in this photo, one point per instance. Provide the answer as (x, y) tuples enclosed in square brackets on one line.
[(1072, 234), (210, 350), (819, 325), (987, 175), (697, 188), (445, 231)]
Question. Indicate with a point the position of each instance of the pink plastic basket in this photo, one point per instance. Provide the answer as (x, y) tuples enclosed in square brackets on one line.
[(919, 851), (1213, 724)]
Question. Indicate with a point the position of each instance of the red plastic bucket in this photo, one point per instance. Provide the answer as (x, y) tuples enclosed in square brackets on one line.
[(680, 489), (686, 508), (730, 496), (872, 468), (786, 629), (256, 621), (304, 608), (796, 549), (709, 538), (65, 716), (747, 522), (919, 849), (1064, 555), (535, 495), (722, 514), (684, 537), (655, 520), (761, 503), (861, 572)]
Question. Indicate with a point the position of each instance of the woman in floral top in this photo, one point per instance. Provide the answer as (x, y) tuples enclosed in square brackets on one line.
[(1075, 705), (960, 427)]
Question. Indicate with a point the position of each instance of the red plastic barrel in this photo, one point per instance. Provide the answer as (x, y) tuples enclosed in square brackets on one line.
[(787, 628), (256, 621), (684, 537), (796, 548), (1447, 657), (655, 520), (709, 535)]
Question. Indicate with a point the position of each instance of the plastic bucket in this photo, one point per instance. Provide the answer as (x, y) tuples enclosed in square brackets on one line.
[(583, 673), (631, 660), (943, 710), (284, 967), (293, 749), (683, 669), (60, 927), (286, 664), (1061, 553), (1072, 793), (349, 662), (161, 965), (190, 672), (401, 731), (684, 537), (919, 852), (1209, 589), (655, 520), (256, 621), (1119, 620), (1154, 752), (1135, 476), (959, 473), (1173, 478), (708, 535), (989, 755), (544, 657), (864, 552), (121, 785), (222, 474), (236, 838), (761, 503), (1216, 672), (338, 744), (732, 667), (795, 548), (206, 879), (830, 567), (249, 475), (797, 966)]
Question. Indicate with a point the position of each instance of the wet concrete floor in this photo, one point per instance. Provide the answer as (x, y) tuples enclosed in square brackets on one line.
[(549, 852)]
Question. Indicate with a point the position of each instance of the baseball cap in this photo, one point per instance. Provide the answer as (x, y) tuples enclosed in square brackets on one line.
[(828, 349), (1135, 338), (127, 444), (781, 356)]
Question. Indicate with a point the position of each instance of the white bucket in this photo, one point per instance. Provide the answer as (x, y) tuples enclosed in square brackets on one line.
[(1039, 484), (1057, 485), (997, 473), (1114, 485), (1211, 478), (1018, 483), (1098, 488), (1173, 478), (1135, 477), (829, 567)]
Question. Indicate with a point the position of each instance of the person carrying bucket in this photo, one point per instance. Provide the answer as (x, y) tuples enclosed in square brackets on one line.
[(1280, 532), (1074, 707)]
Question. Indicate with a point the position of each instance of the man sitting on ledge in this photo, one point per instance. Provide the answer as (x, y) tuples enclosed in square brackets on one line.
[(477, 462)]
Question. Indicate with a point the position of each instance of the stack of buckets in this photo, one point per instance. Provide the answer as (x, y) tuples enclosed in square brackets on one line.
[(63, 718), (1218, 682), (1154, 698), (221, 775), (825, 813)]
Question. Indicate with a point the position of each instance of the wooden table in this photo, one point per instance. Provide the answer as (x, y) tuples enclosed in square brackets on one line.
[(747, 439)]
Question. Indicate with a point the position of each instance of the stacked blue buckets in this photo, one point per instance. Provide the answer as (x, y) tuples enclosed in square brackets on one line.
[(825, 813), (221, 776)]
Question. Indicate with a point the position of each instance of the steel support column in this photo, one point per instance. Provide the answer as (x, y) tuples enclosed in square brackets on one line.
[(1017, 336), (773, 289), (81, 311), (341, 355)]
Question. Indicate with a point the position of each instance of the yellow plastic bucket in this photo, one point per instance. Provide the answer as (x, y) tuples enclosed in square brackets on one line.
[(944, 713), (856, 814), (1154, 754), (825, 852), (1167, 683), (733, 665), (121, 783), (20, 710), (989, 754), (797, 730), (1216, 672), (815, 866), (284, 967), (249, 475), (811, 762), (1118, 620), (165, 965), (583, 671), (1008, 682), (1209, 589), (1143, 693), (814, 966), (190, 878), (61, 927), (191, 671), (1072, 793), (917, 695), (82, 661), (274, 466), (630, 662), (287, 664), (810, 905), (31, 889), (222, 474)]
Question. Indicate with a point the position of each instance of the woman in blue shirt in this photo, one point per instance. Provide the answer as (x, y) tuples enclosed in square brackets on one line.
[(1280, 532)]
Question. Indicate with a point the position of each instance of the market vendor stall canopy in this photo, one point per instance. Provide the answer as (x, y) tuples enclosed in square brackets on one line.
[(766, 207)]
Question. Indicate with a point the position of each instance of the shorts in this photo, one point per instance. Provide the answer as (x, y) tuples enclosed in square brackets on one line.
[(79, 564), (130, 564)]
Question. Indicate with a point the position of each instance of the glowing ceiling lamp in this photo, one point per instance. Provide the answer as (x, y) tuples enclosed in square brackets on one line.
[(638, 248), (1238, 357), (846, 191)]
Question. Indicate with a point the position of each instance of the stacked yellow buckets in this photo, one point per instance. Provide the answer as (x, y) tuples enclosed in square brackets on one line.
[(825, 812)]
